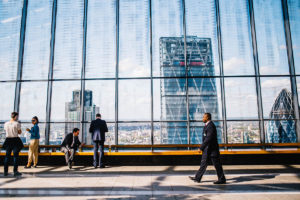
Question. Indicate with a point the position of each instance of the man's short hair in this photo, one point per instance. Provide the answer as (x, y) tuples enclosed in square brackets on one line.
[(98, 115), (208, 115), (14, 114), (75, 130)]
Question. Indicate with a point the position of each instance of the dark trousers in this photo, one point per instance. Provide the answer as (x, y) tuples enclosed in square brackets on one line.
[(216, 162), (69, 154), (7, 158), (98, 144)]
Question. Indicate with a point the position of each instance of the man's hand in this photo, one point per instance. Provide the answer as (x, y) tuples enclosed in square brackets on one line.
[(27, 129), (82, 144)]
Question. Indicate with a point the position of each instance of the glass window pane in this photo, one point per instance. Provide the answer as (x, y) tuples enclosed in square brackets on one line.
[(169, 99), (298, 88), (2, 134), (241, 98), (280, 131), (202, 49), (33, 100), (294, 16), (134, 100), (109, 136), (236, 37), (134, 133), (196, 132), (65, 101), (270, 36), (204, 96), (68, 39), (243, 132), (134, 38), (167, 23), (277, 98), (170, 133), (25, 136), (37, 40), (58, 131), (101, 39), (7, 100), (100, 98), (10, 25)]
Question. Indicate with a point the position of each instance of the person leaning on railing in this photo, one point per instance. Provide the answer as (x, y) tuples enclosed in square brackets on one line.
[(34, 143), (12, 143)]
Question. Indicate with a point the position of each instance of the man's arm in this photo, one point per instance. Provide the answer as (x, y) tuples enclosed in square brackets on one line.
[(91, 129), (105, 127), (65, 142), (208, 138), (19, 128)]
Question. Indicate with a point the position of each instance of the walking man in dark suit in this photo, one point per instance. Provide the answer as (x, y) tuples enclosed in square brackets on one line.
[(69, 146), (210, 151), (98, 129)]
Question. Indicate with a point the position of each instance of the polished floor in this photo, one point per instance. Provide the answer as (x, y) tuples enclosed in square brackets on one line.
[(152, 182)]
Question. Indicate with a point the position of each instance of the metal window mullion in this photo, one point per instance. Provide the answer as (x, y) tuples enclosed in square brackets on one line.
[(151, 73), (117, 73), (290, 54), (20, 57), (50, 73), (220, 51), (82, 113), (257, 74), (186, 73)]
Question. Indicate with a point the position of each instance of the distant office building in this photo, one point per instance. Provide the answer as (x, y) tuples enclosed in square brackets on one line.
[(282, 128), (202, 92), (72, 112)]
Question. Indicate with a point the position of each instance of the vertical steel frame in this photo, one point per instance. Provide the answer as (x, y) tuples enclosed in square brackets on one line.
[(20, 56), (220, 51), (151, 72), (257, 74), (82, 113), (290, 54), (50, 74), (117, 73), (186, 73)]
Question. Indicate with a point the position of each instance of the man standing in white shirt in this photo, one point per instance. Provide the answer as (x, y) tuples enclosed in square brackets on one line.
[(12, 142)]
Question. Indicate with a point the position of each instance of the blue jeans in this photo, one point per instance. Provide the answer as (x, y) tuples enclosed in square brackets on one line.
[(7, 158), (98, 144)]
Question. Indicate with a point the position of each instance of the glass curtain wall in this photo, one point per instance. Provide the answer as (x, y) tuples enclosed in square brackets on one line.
[(152, 68)]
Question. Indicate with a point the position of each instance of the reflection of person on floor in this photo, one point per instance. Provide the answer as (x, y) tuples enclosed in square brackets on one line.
[(69, 146), (210, 151)]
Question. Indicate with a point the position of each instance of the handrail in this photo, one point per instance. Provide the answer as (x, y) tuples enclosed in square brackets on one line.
[(181, 145)]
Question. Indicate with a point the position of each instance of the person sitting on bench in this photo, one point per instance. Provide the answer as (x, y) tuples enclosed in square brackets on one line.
[(69, 146)]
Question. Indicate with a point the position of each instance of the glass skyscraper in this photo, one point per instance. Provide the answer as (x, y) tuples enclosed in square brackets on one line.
[(282, 128), (201, 91)]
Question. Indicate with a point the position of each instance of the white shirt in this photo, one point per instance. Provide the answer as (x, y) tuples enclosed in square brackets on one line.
[(207, 123), (11, 128)]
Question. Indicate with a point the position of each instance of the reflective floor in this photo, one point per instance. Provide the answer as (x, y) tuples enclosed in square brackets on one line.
[(152, 182)]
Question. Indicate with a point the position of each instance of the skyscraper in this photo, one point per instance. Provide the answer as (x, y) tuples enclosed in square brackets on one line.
[(201, 92), (72, 111), (282, 128)]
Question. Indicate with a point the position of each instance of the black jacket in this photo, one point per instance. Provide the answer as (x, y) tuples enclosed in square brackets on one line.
[(69, 140), (210, 144), (98, 126)]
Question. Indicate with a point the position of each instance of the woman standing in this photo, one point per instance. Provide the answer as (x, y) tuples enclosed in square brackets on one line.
[(34, 143)]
